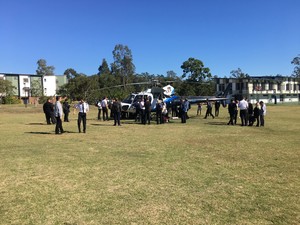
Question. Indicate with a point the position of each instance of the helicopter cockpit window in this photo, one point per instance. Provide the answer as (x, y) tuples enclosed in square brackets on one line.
[(129, 99)]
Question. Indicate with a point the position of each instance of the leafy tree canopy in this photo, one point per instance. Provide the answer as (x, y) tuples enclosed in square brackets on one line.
[(6, 87), (296, 62), (43, 69), (239, 74), (194, 70)]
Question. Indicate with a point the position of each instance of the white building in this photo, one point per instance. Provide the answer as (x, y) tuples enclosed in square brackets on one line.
[(26, 84), (270, 89)]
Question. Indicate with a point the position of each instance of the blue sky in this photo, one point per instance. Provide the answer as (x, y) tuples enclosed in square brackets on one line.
[(259, 36)]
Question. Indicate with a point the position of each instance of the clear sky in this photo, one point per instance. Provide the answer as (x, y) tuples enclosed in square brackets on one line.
[(259, 36)]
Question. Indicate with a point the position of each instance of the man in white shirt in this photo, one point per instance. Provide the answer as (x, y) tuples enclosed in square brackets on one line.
[(83, 108), (104, 108), (243, 106)]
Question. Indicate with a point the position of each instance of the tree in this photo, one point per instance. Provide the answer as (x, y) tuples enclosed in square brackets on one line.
[(296, 62), (70, 73), (36, 88), (103, 68), (194, 70), (43, 69), (171, 74), (6, 88), (123, 67), (239, 74), (77, 87)]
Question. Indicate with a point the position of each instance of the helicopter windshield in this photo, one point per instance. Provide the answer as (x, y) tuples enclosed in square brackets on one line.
[(140, 97), (129, 99)]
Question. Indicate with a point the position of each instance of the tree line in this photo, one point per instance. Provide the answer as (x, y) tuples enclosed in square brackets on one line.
[(119, 78)]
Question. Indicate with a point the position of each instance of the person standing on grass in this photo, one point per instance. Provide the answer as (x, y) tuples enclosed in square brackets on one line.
[(263, 112), (256, 113), (83, 108), (183, 110), (116, 109), (243, 106), (58, 112), (48, 109), (209, 109), (66, 109), (99, 109), (159, 112), (147, 111), (217, 108), (249, 113), (104, 105), (232, 111), (199, 109)]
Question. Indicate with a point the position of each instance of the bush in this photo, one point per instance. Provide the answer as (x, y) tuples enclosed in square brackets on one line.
[(11, 100)]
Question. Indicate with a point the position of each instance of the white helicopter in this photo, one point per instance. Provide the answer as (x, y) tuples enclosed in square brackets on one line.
[(166, 94)]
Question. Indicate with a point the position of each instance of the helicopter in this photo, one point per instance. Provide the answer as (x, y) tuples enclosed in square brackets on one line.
[(167, 95)]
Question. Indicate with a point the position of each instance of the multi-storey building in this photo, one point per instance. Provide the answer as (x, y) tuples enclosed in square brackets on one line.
[(270, 89), (28, 84)]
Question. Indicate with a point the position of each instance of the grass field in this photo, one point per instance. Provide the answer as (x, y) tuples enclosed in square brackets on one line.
[(202, 172)]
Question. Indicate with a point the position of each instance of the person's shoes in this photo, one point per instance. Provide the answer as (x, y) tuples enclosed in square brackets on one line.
[(84, 131)]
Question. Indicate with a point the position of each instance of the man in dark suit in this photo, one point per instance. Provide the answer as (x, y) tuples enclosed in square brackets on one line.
[(48, 109)]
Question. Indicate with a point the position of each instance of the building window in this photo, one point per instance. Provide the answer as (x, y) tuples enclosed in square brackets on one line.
[(25, 80), (279, 87), (287, 87), (295, 87), (45, 79)]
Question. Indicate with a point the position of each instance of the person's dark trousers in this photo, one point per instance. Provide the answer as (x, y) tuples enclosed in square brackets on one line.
[(66, 117), (143, 116), (262, 120), (81, 117), (117, 118), (58, 127), (183, 117), (148, 117), (48, 116), (257, 121), (53, 118), (243, 115), (105, 113), (158, 117), (232, 117), (99, 114)]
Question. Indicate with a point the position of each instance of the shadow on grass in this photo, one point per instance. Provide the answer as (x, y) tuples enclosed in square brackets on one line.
[(41, 132), (38, 124), (101, 124), (217, 123)]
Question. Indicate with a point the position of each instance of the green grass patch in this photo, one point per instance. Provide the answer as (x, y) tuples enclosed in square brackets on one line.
[(202, 172)]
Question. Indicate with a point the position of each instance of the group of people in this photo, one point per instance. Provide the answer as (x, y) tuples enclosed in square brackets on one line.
[(248, 114), (54, 113), (115, 107)]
